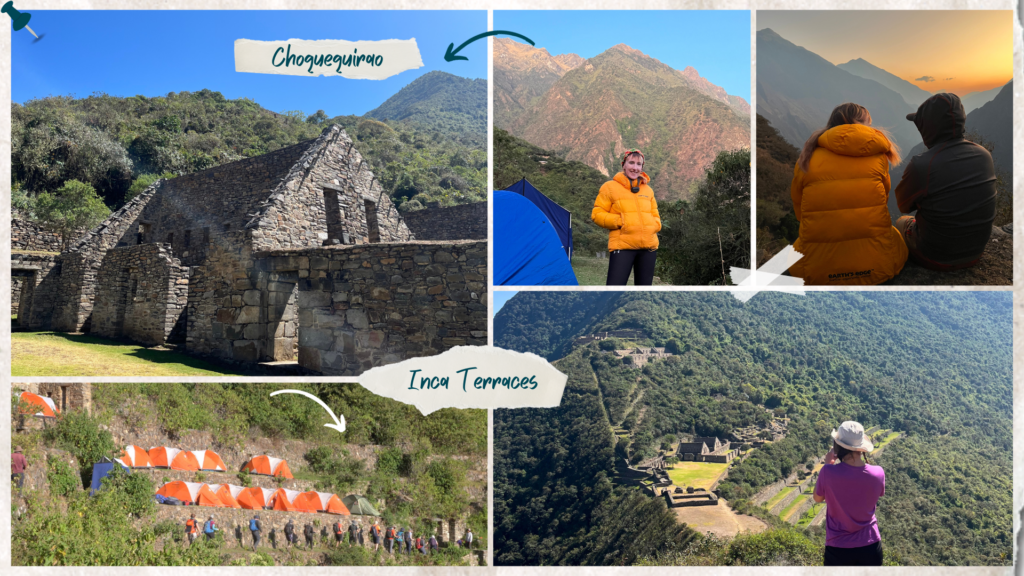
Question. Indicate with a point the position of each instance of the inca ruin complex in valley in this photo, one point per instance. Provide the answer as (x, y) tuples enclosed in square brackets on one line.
[(296, 255)]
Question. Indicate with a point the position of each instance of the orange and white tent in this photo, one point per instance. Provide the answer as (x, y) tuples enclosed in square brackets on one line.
[(45, 406), (190, 492), (162, 456), (263, 497), (185, 460), (323, 502), (135, 457), (268, 465), (226, 494), (209, 460), (285, 500)]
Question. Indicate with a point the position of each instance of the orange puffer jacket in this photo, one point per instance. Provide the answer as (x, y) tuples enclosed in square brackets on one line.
[(632, 218), (846, 234)]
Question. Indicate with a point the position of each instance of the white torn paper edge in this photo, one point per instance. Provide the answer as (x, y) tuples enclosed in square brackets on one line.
[(359, 60), (768, 275), (469, 377)]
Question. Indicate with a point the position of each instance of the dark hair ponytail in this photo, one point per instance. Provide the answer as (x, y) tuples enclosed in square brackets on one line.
[(842, 453)]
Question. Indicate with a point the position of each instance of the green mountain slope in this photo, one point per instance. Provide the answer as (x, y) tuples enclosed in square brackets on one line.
[(936, 366), (110, 142), (623, 99), (441, 101)]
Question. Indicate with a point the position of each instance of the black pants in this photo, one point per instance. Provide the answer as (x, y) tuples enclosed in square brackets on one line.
[(641, 262), (870, 555)]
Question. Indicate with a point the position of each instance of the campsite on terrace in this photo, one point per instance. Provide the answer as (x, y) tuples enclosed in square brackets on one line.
[(226, 475)]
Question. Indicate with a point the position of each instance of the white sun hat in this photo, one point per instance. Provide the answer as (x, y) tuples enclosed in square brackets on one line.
[(851, 436)]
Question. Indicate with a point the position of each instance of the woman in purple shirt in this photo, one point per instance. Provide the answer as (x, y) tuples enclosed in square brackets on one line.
[(850, 487)]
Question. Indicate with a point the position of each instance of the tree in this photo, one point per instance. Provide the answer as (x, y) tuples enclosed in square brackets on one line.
[(702, 239), (74, 207)]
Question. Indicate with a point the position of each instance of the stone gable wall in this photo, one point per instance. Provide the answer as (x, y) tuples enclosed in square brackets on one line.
[(464, 222), (366, 306), (150, 312), (214, 206), (296, 215), (30, 236)]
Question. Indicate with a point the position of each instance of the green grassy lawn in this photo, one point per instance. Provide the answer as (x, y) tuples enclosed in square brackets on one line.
[(791, 509), (889, 438), (696, 474), (778, 497), (808, 516), (594, 271), (58, 354)]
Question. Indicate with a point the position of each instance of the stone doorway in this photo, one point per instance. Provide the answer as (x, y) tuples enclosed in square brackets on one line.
[(372, 228), (281, 297)]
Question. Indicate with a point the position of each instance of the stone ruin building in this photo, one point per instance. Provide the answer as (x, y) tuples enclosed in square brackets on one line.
[(623, 333), (640, 356), (298, 256), (774, 431), (706, 449)]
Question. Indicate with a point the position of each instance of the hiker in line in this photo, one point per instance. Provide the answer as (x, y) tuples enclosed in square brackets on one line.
[(851, 487), (191, 529), (256, 528), (375, 535), (339, 532), (952, 187), (421, 544), (210, 529), (18, 465), (352, 536), (840, 193), (433, 543), (409, 541), (469, 538), (289, 533), (626, 207), (389, 539), (309, 533), (400, 540), (359, 536)]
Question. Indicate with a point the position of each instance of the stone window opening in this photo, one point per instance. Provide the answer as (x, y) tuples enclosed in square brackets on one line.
[(206, 235), (227, 227), (188, 238), (372, 230), (170, 238), (143, 234), (335, 217)]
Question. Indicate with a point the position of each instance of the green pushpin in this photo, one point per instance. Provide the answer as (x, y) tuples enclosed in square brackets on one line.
[(20, 19)]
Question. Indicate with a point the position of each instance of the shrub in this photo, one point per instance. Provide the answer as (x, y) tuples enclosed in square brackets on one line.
[(80, 434), (75, 206), (63, 481), (774, 548)]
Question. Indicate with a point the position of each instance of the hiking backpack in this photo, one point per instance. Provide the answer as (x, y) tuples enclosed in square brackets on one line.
[(252, 525)]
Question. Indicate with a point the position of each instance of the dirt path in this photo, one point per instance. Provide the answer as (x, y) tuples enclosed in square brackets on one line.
[(720, 520)]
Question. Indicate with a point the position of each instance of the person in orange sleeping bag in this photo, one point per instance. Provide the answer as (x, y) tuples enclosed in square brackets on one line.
[(840, 195)]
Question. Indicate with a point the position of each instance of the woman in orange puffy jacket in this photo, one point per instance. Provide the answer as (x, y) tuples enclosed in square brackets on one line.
[(840, 195), (627, 208)]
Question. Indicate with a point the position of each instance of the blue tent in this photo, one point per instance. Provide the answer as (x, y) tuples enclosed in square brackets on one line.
[(560, 218), (100, 471), (527, 251)]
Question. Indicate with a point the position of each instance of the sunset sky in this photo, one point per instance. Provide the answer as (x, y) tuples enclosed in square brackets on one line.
[(956, 51)]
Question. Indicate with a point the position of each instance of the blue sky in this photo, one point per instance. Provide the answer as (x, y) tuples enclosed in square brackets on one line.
[(499, 297), (124, 53), (715, 42)]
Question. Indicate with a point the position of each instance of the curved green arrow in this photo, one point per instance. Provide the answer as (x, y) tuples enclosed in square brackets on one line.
[(450, 54)]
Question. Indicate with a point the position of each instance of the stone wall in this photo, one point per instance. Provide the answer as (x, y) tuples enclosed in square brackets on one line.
[(30, 236), (64, 296), (328, 194), (66, 395), (464, 222), (142, 292), (27, 272), (365, 306), (801, 509), (768, 492)]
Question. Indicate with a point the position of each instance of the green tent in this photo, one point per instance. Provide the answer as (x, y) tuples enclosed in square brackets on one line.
[(359, 505)]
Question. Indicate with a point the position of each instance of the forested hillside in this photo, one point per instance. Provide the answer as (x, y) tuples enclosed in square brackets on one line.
[(436, 154), (936, 366)]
